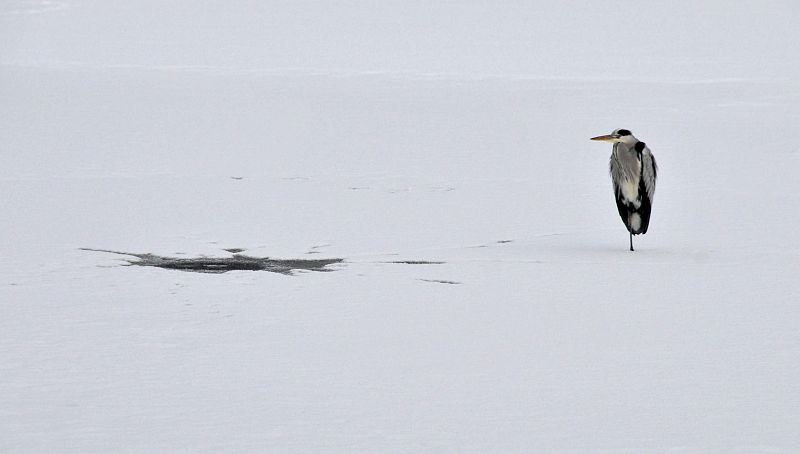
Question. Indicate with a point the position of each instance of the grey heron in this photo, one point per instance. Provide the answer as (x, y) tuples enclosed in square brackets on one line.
[(633, 173)]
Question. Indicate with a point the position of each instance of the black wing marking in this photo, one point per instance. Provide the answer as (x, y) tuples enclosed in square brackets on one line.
[(644, 208), (622, 207)]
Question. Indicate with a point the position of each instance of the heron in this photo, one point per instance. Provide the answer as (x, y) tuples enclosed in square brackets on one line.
[(633, 174)]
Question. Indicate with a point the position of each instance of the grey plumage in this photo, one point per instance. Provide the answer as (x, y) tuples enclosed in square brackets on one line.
[(633, 175)]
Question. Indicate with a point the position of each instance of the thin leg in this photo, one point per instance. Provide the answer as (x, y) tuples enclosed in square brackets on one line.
[(631, 234)]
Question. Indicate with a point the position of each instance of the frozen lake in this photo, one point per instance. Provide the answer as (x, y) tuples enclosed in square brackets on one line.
[(434, 159)]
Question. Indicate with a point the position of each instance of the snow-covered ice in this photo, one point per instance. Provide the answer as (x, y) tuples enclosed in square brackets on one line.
[(384, 133)]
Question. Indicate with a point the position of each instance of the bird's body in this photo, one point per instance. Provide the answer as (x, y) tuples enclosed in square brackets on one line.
[(633, 175)]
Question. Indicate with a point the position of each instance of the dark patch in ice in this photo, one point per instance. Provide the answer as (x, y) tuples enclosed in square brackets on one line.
[(440, 281), (234, 250), (315, 249), (504, 241), (415, 262), (237, 178), (224, 264)]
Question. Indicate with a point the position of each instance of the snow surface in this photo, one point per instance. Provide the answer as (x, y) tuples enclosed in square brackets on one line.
[(398, 131)]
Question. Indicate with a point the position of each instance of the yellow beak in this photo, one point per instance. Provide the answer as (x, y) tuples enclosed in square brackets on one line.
[(607, 138)]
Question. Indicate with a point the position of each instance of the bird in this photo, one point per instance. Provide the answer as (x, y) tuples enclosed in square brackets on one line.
[(633, 172)]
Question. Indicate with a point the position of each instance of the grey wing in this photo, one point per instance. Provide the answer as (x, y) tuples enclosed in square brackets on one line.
[(649, 172), (615, 170)]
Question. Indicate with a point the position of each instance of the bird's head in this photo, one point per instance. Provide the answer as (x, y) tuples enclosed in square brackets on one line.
[(619, 135)]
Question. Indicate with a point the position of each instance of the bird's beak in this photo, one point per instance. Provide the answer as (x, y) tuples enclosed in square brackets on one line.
[(607, 138)]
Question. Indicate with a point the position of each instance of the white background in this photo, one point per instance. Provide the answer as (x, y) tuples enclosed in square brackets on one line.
[(453, 131)]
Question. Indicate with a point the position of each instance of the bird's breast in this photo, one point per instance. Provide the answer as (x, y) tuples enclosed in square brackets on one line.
[(629, 190), (627, 171)]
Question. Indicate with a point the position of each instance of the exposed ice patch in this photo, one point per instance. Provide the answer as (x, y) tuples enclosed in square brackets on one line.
[(440, 281), (415, 262), (218, 265)]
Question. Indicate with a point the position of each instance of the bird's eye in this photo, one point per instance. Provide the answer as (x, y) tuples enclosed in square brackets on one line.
[(624, 132)]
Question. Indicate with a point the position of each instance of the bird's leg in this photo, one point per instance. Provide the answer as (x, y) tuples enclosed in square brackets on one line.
[(630, 232)]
